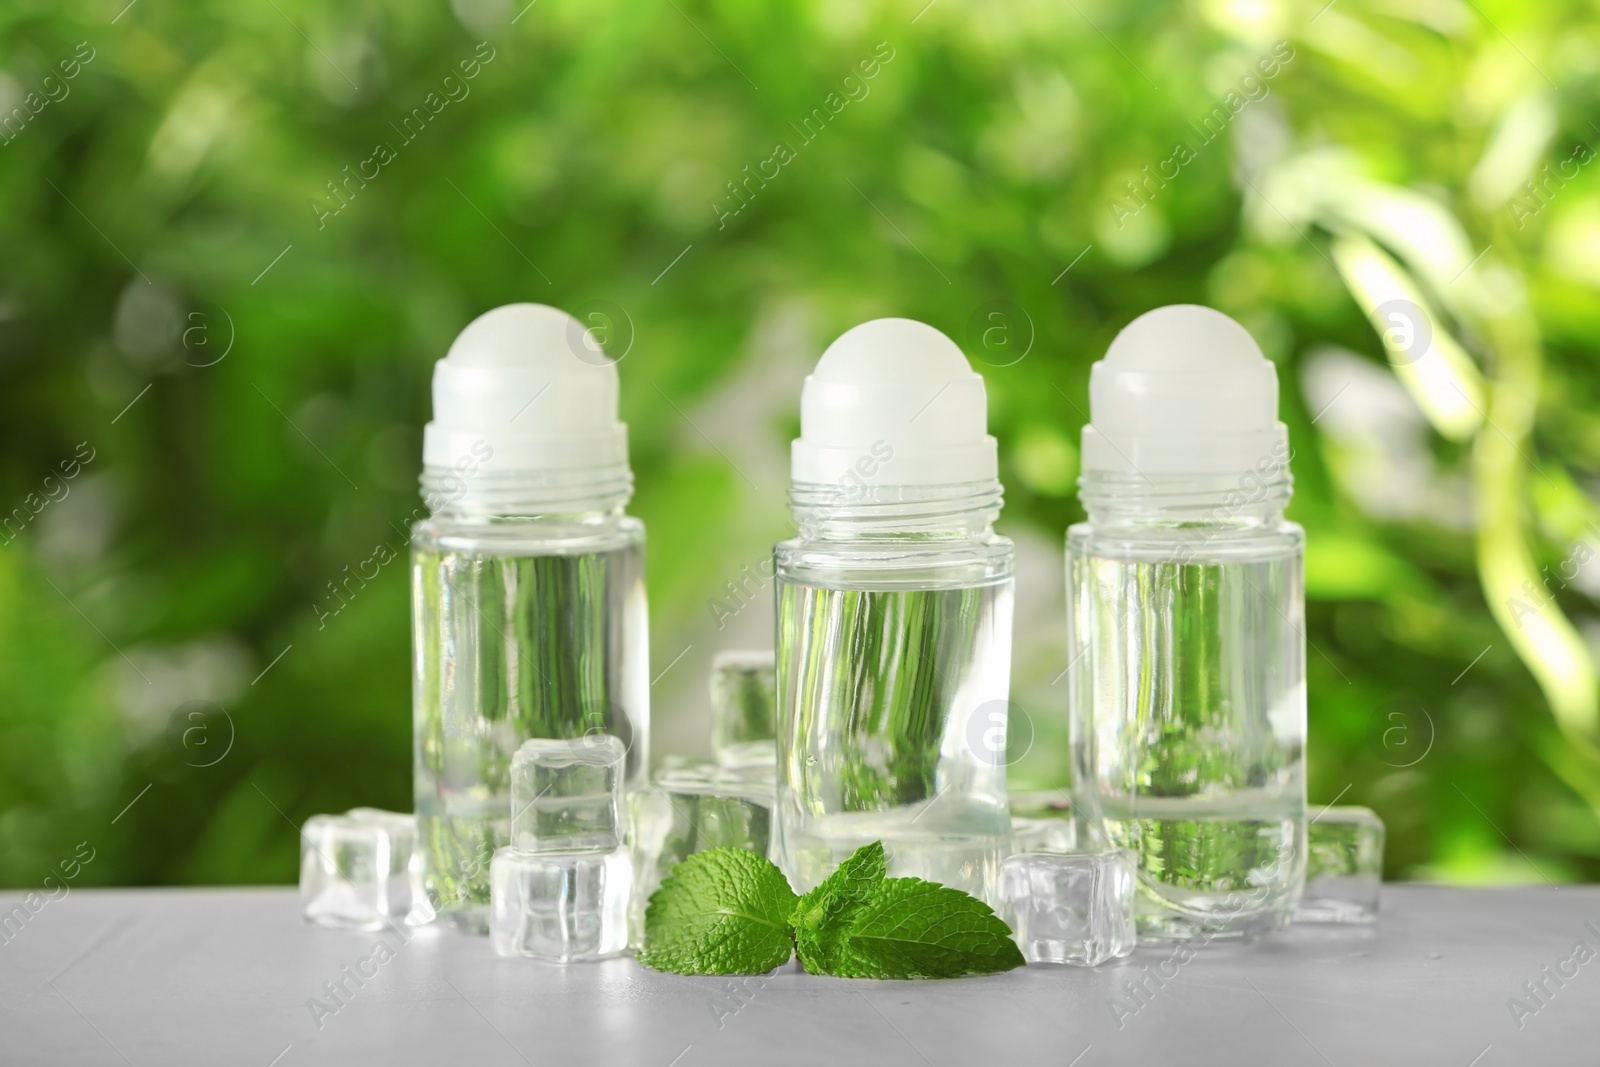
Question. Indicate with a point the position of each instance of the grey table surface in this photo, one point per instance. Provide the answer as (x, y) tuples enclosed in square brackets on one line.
[(233, 976)]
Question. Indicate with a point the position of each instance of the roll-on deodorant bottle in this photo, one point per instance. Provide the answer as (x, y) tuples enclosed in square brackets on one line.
[(528, 600), (894, 609), (1185, 619)]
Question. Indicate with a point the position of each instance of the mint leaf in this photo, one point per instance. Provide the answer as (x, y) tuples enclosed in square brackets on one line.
[(721, 911), (729, 911), (852, 883), (909, 928), (822, 916)]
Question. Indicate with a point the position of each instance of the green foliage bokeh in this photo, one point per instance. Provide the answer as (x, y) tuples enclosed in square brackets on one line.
[(245, 354)]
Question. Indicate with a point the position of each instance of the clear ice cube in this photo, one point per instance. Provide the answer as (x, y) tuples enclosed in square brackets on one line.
[(560, 907), (1075, 909), (692, 808), (566, 794), (361, 870), (744, 709), (1344, 867)]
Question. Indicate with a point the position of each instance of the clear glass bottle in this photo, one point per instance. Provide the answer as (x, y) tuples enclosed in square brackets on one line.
[(894, 606), (528, 600), (1186, 629)]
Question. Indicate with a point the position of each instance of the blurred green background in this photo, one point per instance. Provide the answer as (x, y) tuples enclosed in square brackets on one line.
[(231, 358)]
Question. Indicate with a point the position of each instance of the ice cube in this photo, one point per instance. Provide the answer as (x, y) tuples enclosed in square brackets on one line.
[(744, 709), (361, 870), (566, 794), (1074, 909), (1344, 866), (560, 907), (695, 807)]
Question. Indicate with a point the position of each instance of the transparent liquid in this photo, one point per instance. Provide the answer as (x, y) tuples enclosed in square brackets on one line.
[(889, 701), (1189, 731), (509, 647)]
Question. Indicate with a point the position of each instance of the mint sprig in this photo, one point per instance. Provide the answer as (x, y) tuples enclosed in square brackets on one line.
[(729, 911)]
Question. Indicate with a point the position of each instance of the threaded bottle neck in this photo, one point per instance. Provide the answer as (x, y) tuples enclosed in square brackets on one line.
[(1253, 499), (838, 511), (561, 495)]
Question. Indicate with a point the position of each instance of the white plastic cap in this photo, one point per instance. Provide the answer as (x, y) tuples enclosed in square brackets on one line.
[(1183, 390), (530, 382), (895, 387)]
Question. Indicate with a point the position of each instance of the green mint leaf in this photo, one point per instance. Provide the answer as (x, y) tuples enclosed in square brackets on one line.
[(852, 883), (915, 929), (822, 917), (721, 911)]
